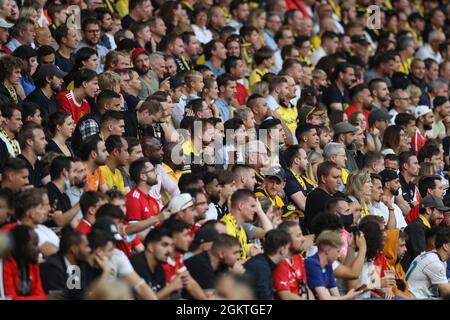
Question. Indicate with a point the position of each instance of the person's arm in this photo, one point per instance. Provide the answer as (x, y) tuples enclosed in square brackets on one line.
[(193, 287), (45, 180), (299, 200), (141, 225), (324, 294), (141, 288), (168, 184), (63, 219), (392, 221), (263, 219), (403, 205), (174, 285), (444, 289), (353, 272), (47, 249), (289, 138)]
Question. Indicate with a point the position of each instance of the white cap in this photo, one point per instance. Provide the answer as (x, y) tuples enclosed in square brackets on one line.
[(422, 110), (5, 24), (180, 202)]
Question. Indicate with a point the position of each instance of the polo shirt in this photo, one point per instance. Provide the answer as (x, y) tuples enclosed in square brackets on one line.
[(333, 95), (36, 173), (290, 275), (156, 279), (113, 179), (289, 115), (140, 206)]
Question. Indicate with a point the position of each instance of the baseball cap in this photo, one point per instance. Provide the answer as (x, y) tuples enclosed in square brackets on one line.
[(308, 91), (203, 235), (5, 24), (378, 115), (388, 175), (306, 111), (359, 39), (49, 70), (439, 101), (137, 52), (107, 224), (176, 82), (422, 110), (344, 127), (180, 202), (289, 210), (277, 172), (431, 201)]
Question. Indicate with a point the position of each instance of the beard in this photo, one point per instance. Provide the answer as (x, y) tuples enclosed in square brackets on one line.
[(428, 126), (99, 163), (395, 192), (152, 181), (215, 198), (142, 71), (80, 183), (55, 89)]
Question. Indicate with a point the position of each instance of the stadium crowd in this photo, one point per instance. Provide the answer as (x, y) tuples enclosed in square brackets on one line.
[(224, 149)]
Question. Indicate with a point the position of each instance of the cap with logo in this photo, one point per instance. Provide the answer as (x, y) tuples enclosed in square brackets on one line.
[(48, 70), (277, 172), (359, 39), (306, 111), (203, 235)]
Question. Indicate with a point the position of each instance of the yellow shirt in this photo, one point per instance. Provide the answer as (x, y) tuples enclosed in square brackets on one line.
[(289, 116), (175, 175), (344, 175), (405, 66), (277, 201), (234, 230), (113, 179), (256, 76), (315, 42)]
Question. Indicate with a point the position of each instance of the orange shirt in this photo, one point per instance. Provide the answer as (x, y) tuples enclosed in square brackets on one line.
[(94, 179)]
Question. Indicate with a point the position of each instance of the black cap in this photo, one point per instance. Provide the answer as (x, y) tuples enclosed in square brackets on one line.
[(388, 175), (25, 52), (359, 39), (439, 101), (176, 82), (203, 235), (378, 115), (48, 70)]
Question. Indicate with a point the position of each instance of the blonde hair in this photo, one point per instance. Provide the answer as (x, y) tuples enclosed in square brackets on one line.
[(355, 185), (313, 158), (109, 290), (329, 238), (413, 91), (192, 75), (108, 80), (318, 73), (261, 88), (27, 12)]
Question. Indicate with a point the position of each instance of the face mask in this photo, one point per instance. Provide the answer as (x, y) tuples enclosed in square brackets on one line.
[(347, 220)]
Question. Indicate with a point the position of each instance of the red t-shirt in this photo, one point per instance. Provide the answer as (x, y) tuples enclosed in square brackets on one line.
[(172, 265), (417, 141), (381, 261), (288, 275), (241, 94), (193, 230), (412, 215), (140, 206), (84, 227), (67, 103), (353, 109)]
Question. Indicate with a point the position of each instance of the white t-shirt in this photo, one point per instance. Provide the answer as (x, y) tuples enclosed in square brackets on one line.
[(120, 265), (425, 272), (45, 234), (383, 211)]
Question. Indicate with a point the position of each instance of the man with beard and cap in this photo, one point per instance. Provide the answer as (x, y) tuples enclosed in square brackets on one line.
[(383, 202), (117, 148), (48, 80), (74, 250), (32, 141), (152, 149), (174, 266), (143, 210), (344, 133), (424, 122), (431, 211), (141, 62), (93, 154), (273, 187)]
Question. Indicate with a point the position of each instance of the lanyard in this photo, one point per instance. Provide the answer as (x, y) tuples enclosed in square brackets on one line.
[(12, 141), (13, 94), (299, 179)]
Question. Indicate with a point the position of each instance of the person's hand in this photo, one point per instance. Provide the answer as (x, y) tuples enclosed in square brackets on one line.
[(238, 268), (186, 279), (387, 282), (309, 242), (103, 263), (164, 215), (189, 113), (388, 295), (176, 283), (374, 131), (352, 294), (209, 154), (53, 214), (255, 251), (387, 201), (360, 241), (164, 85)]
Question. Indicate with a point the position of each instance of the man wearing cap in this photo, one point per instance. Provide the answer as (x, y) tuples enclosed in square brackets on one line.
[(385, 205), (274, 182), (359, 47), (378, 122), (310, 115), (183, 209), (4, 34), (441, 109), (203, 240), (344, 133), (427, 274), (424, 123), (48, 80), (431, 213)]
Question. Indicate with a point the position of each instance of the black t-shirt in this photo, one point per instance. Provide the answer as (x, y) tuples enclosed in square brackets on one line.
[(315, 203), (408, 190), (64, 64), (156, 280), (199, 266), (46, 106), (127, 21), (446, 144), (53, 147), (58, 199), (37, 173), (333, 95), (293, 186)]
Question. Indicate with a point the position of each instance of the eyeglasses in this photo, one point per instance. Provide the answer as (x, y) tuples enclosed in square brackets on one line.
[(93, 31)]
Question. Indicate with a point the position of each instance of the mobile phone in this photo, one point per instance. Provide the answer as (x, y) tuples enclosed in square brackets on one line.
[(363, 288)]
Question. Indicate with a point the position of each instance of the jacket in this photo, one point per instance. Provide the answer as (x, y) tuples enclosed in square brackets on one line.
[(390, 252)]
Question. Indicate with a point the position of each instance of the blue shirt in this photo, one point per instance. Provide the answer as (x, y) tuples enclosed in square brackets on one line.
[(217, 71), (270, 41), (318, 276), (27, 85), (224, 109), (259, 269)]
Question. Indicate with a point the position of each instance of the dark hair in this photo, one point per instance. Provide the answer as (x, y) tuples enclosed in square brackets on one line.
[(391, 138), (325, 221), (132, 142), (269, 124), (209, 48), (14, 164), (253, 98), (89, 199), (29, 109), (27, 133), (136, 168), (241, 195), (274, 240), (262, 54), (233, 124), (106, 95), (111, 211), (187, 179), (427, 183), (83, 75), (87, 146), (113, 142), (340, 68), (371, 158), (155, 235), (58, 165), (21, 237), (223, 79), (28, 199), (290, 154), (403, 158), (403, 119), (60, 32), (99, 238), (224, 241), (56, 119), (230, 63), (175, 226), (87, 22), (374, 237), (428, 150), (69, 238), (442, 237)]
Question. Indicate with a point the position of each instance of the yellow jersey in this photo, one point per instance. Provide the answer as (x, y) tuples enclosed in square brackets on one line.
[(113, 179), (237, 231)]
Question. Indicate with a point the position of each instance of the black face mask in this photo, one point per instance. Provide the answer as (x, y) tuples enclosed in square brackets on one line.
[(347, 220)]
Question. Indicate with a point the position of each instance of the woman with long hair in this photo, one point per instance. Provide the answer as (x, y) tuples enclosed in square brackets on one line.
[(172, 14), (359, 189), (258, 19), (29, 56), (60, 129), (86, 58), (314, 159), (394, 140)]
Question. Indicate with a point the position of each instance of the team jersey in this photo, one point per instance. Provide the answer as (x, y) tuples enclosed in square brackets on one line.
[(68, 104), (425, 272), (84, 227), (290, 275), (113, 179), (173, 265), (140, 206)]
